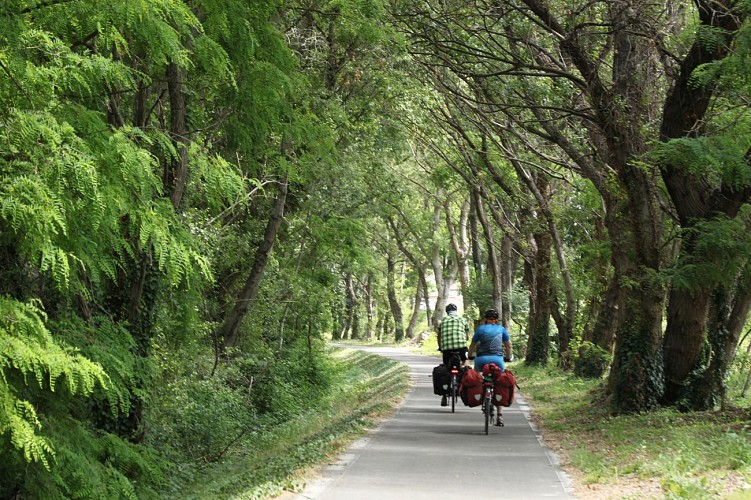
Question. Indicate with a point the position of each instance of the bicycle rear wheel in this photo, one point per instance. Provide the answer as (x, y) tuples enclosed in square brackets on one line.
[(454, 390), (487, 408)]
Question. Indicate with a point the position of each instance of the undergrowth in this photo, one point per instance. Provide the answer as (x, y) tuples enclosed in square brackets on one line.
[(691, 455), (273, 459)]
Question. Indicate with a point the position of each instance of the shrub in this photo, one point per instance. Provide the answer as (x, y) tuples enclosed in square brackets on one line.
[(202, 417), (593, 361)]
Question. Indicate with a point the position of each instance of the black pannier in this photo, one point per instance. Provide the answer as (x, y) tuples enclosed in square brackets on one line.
[(441, 379)]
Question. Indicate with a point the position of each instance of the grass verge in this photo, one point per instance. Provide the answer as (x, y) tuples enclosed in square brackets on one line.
[(368, 387), (662, 454)]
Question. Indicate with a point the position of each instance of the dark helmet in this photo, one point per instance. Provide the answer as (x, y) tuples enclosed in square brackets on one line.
[(450, 307), (490, 314)]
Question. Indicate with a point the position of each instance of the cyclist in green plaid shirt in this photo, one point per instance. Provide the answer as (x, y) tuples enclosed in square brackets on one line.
[(453, 334)]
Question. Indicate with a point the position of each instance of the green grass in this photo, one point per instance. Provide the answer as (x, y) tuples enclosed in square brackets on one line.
[(692, 455), (277, 460)]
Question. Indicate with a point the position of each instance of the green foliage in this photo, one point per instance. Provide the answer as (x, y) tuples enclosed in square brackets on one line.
[(216, 183), (67, 181), (321, 95), (79, 203), (721, 248), (592, 361), (294, 382), (479, 293), (200, 417), (111, 346), (66, 457), (267, 462), (344, 236), (156, 24), (204, 415), (91, 464), (719, 158), (731, 72), (27, 347)]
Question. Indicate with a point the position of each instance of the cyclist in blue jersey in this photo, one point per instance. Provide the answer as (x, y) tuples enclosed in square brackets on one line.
[(491, 343)]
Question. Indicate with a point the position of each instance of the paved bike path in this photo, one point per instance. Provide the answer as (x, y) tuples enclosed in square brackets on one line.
[(426, 452)]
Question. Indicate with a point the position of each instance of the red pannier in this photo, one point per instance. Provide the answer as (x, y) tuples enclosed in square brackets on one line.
[(470, 389), (504, 388), (505, 383)]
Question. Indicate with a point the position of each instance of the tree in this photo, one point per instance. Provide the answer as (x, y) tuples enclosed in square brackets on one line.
[(702, 195), (509, 59), (83, 212)]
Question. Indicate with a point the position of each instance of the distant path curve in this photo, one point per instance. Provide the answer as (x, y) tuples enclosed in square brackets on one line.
[(425, 452)]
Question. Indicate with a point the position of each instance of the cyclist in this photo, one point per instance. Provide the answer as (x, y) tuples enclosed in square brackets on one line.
[(491, 343), (453, 333)]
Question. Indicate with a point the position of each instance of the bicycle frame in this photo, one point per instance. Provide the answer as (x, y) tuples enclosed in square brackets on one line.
[(454, 387), (487, 403), (488, 383), (454, 364)]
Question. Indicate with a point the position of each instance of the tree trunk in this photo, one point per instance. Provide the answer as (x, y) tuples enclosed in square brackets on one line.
[(747, 383), (444, 267), (396, 308), (538, 184), (636, 380), (143, 297), (417, 266), (140, 99), (684, 337), (351, 304), (415, 317), (450, 270), (131, 300), (729, 312), (355, 331), (508, 259), (338, 323), (610, 315), (459, 242), (389, 326), (601, 270), (636, 377), (437, 264), (539, 315), (494, 265), (229, 330), (474, 236), (380, 327), (370, 327), (426, 295), (176, 169)]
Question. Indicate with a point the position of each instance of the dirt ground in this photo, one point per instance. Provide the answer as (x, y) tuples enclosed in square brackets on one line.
[(626, 487)]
